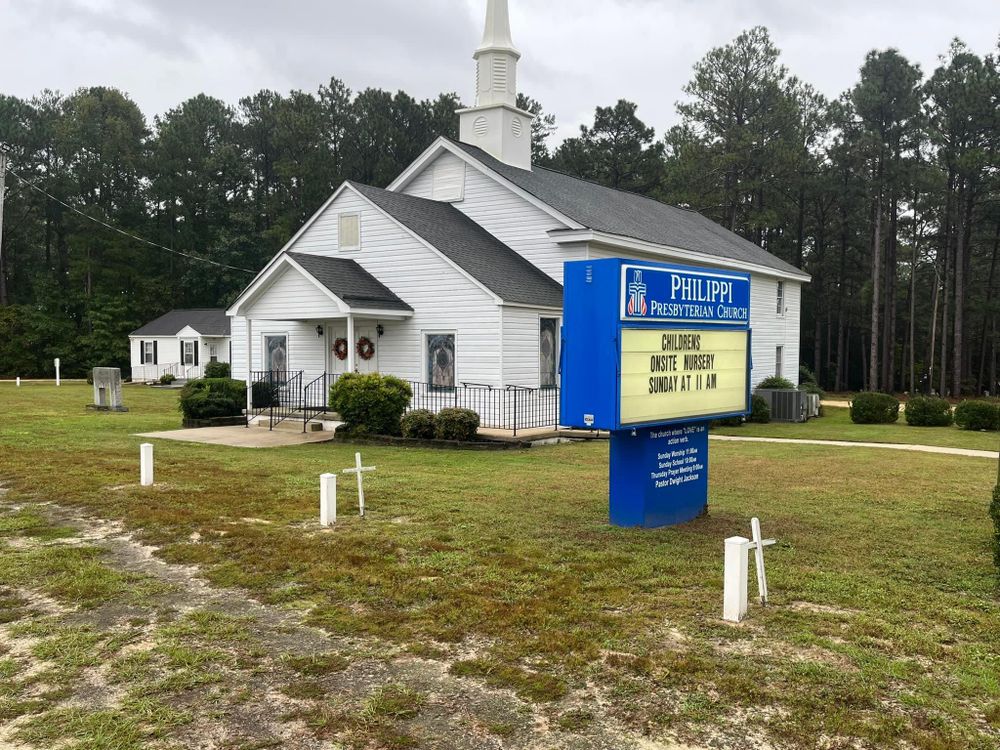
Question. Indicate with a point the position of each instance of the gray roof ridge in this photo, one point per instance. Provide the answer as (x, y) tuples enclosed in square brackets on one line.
[(587, 180)]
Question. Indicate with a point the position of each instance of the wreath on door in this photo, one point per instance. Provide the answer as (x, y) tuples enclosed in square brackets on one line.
[(366, 349), (340, 349)]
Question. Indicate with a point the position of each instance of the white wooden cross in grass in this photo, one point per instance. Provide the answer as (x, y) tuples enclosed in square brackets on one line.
[(359, 470), (734, 600)]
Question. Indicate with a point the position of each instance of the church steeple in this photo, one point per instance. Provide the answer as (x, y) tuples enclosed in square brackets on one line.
[(495, 124)]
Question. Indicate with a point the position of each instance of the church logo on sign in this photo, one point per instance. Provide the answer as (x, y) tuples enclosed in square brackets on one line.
[(637, 295)]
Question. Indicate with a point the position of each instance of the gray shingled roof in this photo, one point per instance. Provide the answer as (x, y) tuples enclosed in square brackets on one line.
[(605, 209), (496, 266), (350, 282), (207, 322)]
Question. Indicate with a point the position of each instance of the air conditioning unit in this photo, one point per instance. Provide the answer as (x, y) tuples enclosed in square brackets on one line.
[(786, 405)]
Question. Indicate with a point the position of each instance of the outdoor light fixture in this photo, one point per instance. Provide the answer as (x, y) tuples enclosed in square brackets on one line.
[(319, 331), (379, 329)]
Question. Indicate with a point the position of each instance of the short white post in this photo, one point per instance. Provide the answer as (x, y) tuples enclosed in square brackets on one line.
[(146, 464), (57, 370), (328, 499), (734, 596), (18, 381)]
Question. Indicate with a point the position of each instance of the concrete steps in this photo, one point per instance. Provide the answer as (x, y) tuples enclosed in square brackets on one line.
[(319, 423)]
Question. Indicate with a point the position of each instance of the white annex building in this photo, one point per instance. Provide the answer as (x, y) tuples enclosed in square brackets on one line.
[(180, 343), (451, 277)]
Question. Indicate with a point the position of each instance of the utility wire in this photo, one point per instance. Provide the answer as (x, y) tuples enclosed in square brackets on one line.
[(104, 224)]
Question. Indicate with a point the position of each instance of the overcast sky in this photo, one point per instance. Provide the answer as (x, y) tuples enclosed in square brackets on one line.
[(576, 54)]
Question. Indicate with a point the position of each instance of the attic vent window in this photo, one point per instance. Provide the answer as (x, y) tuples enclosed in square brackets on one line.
[(350, 232), (449, 180), (517, 127), (481, 127)]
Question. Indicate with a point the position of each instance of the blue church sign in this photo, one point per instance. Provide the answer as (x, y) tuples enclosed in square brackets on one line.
[(653, 352)]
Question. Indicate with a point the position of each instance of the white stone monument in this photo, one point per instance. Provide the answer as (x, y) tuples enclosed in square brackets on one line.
[(108, 389)]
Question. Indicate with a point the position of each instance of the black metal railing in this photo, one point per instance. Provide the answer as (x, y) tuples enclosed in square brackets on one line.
[(276, 394), (280, 395), (316, 398)]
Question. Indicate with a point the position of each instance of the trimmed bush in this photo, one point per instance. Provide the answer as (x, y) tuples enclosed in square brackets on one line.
[(760, 412), (977, 415), (806, 375), (370, 404), (776, 383), (421, 424), (457, 424), (728, 422), (874, 408), (167, 378), (208, 398), (217, 370), (928, 411), (995, 515), (265, 394)]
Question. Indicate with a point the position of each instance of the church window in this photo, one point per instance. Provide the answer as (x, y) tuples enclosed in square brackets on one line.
[(441, 361), (548, 352), (350, 231)]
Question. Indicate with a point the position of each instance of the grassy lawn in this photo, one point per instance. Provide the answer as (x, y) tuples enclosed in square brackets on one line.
[(884, 629), (836, 424)]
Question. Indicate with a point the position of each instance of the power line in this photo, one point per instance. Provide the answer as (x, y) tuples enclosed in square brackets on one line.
[(190, 256)]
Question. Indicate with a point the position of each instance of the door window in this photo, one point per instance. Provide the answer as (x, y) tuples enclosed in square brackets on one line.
[(188, 353)]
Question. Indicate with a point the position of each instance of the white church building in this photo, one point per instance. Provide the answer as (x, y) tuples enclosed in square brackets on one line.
[(451, 277)]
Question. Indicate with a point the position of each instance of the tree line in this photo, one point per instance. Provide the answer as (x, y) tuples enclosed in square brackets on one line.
[(886, 196)]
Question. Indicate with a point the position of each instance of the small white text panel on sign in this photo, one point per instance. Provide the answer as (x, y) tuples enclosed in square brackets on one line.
[(669, 374)]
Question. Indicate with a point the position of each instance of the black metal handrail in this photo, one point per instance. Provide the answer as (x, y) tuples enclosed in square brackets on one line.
[(276, 393), (315, 398), (281, 395)]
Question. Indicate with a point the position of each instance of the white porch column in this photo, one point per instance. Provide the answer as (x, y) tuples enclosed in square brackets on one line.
[(351, 343), (249, 365)]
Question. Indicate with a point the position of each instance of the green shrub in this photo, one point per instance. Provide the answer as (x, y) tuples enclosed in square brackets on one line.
[(811, 387), (167, 378), (457, 424), (806, 375), (760, 412), (995, 515), (928, 411), (419, 424), (208, 398), (728, 422), (874, 408), (977, 415), (370, 404), (217, 370), (265, 394), (776, 382)]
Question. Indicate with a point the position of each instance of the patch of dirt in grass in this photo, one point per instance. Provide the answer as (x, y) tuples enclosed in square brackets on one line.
[(823, 609), (195, 666)]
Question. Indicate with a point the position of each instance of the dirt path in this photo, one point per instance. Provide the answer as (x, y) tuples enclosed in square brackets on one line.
[(150, 652), (849, 444)]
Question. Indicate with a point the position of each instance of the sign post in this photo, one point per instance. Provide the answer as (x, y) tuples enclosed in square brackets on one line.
[(653, 352)]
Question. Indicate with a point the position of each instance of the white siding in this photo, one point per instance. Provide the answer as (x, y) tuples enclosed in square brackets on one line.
[(442, 297), (306, 350), (508, 217), (521, 340), (293, 293)]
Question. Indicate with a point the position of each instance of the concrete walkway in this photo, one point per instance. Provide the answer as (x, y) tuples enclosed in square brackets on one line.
[(242, 437), (848, 444)]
